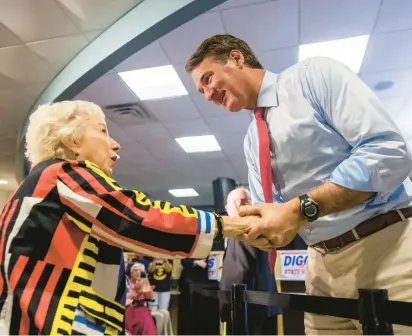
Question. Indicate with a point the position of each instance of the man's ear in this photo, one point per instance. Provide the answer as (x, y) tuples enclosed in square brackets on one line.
[(237, 57)]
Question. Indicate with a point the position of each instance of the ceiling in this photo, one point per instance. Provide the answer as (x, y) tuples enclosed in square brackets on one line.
[(152, 161), (37, 39)]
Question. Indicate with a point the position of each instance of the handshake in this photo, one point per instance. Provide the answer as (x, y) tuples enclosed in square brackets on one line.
[(266, 226)]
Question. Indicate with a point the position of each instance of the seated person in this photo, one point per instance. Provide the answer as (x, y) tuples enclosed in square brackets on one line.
[(138, 320)]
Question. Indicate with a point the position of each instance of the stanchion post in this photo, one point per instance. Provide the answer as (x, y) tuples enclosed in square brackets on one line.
[(372, 312), (239, 310)]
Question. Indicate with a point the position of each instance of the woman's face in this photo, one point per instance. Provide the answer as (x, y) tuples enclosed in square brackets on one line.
[(136, 271), (95, 144)]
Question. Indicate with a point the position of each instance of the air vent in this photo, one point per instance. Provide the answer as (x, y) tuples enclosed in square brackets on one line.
[(129, 114)]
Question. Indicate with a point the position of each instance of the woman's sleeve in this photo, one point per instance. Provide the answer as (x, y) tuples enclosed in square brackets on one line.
[(129, 219)]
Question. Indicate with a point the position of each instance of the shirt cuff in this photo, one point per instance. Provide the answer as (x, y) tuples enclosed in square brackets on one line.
[(206, 222)]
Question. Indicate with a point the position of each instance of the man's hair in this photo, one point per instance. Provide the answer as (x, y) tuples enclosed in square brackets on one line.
[(219, 47)]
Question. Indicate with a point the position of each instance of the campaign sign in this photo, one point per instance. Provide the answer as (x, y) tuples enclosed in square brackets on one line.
[(293, 264), (212, 263)]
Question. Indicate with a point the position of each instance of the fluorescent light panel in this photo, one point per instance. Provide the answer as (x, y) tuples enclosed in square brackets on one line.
[(199, 144), (350, 51), (188, 192), (4, 182), (154, 83)]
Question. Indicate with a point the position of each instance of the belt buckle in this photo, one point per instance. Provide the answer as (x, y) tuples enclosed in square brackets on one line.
[(328, 250)]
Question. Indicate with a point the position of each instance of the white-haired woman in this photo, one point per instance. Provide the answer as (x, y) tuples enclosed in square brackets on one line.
[(138, 319), (62, 232)]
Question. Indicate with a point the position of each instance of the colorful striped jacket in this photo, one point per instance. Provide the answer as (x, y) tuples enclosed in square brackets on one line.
[(61, 237)]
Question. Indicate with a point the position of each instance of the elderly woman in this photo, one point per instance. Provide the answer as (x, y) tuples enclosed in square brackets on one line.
[(138, 319), (63, 230)]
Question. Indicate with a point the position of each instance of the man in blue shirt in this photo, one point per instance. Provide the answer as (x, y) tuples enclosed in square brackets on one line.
[(339, 167)]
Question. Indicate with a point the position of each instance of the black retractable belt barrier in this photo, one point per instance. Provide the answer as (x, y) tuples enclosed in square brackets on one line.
[(373, 312), (373, 309), (239, 310)]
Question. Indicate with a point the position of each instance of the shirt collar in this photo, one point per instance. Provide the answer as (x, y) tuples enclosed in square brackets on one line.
[(268, 94)]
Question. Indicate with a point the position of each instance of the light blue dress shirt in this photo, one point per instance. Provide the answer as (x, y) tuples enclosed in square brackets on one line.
[(326, 125)]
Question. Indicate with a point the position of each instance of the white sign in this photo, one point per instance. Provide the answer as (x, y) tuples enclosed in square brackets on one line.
[(292, 264), (212, 263)]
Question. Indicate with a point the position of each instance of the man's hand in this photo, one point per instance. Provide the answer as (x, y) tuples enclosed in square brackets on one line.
[(262, 243), (279, 222)]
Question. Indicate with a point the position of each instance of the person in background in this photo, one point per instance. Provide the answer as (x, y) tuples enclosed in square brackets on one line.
[(138, 319), (248, 265), (325, 161), (194, 272), (160, 271)]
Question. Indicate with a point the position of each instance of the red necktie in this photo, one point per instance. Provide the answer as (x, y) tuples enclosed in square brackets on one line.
[(265, 169)]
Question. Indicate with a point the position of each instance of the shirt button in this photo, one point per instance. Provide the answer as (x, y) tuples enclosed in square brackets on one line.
[(308, 231)]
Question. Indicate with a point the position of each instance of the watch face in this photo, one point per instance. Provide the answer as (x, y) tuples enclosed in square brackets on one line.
[(311, 210)]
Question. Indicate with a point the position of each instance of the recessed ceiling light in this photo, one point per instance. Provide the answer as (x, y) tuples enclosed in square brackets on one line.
[(350, 51), (188, 192), (198, 144), (4, 182), (154, 83)]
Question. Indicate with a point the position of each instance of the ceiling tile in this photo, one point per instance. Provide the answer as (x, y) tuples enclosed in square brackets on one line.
[(36, 20), (36, 89), (23, 65), (280, 18), (238, 3), (7, 39), (185, 77), (90, 36), (7, 82), (149, 57), (184, 128), (96, 14), (394, 15), (230, 124), (58, 52), (180, 108), (402, 80), (108, 90), (207, 108), (118, 133), (190, 36), (167, 149), (148, 133), (388, 51), (232, 144), (278, 60), (320, 21), (393, 105), (240, 167)]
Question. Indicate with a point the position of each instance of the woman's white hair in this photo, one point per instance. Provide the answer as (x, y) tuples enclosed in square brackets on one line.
[(136, 265), (53, 125)]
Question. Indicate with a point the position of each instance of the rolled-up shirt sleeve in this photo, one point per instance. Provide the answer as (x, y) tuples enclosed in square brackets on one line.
[(380, 160), (129, 219)]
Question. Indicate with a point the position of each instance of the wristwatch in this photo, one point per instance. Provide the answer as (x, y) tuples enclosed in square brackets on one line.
[(309, 208)]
